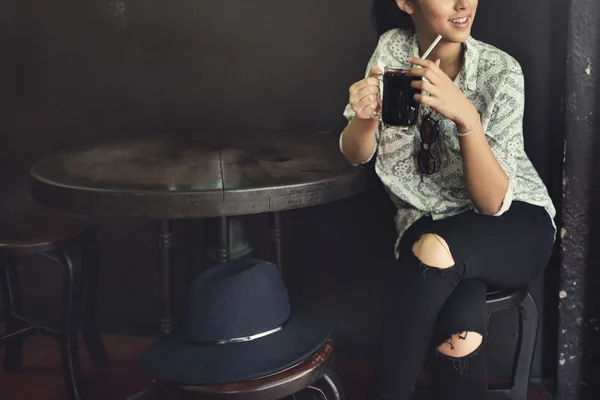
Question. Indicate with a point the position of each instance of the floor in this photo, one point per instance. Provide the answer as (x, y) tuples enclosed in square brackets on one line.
[(41, 377)]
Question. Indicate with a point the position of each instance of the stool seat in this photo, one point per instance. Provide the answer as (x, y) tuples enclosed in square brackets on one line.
[(39, 231), (272, 387), (502, 299)]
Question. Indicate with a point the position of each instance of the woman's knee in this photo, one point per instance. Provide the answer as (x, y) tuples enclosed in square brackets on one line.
[(461, 344), (433, 251)]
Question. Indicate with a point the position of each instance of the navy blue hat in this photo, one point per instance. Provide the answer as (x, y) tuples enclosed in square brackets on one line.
[(237, 326)]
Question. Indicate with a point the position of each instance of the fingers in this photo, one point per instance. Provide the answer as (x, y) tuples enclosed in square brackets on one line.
[(365, 101), (362, 84), (430, 70), (364, 92), (427, 100), (371, 99), (426, 73), (372, 82), (366, 106), (366, 97), (425, 86), (422, 63), (375, 71), (367, 111)]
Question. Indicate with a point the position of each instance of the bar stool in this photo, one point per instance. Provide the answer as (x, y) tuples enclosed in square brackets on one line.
[(315, 374), (498, 300), (52, 235), (503, 299)]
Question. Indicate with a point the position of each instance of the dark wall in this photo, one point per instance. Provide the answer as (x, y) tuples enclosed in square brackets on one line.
[(536, 37), (579, 311), (75, 72)]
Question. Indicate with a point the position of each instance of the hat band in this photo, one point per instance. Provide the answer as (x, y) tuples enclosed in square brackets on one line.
[(244, 338)]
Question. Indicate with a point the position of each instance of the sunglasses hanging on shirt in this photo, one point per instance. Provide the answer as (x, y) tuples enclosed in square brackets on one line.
[(430, 133)]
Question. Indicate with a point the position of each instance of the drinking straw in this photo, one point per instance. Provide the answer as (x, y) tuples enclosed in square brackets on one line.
[(435, 42)]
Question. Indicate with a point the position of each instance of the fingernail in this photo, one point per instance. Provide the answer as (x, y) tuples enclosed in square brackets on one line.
[(410, 58)]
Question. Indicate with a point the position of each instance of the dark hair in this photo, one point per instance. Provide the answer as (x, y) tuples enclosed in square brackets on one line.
[(386, 15)]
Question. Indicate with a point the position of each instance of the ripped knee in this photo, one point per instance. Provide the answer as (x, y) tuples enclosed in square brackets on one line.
[(461, 344), (433, 251)]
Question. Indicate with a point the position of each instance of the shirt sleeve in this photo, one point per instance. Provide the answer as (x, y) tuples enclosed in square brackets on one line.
[(349, 113), (504, 130)]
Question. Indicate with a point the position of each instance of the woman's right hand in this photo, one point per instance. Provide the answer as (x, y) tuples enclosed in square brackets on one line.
[(364, 95)]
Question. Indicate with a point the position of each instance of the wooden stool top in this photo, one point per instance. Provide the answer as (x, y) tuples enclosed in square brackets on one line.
[(276, 386), (39, 230)]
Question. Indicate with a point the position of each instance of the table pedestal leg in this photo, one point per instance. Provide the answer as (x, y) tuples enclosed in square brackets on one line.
[(239, 246), (223, 240), (165, 240), (275, 225)]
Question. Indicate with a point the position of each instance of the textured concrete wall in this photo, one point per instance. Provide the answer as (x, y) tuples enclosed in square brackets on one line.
[(579, 330)]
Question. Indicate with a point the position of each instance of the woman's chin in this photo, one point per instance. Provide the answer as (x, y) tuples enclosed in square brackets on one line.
[(457, 37)]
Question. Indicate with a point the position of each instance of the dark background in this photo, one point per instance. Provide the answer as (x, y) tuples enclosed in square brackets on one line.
[(579, 306), (72, 72)]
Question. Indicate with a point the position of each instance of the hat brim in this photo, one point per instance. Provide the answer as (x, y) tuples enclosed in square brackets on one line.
[(173, 360)]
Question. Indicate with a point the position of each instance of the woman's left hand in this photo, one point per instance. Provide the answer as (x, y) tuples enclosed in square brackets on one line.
[(444, 96)]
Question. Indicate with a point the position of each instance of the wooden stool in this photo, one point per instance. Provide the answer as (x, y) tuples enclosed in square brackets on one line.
[(51, 234), (315, 374)]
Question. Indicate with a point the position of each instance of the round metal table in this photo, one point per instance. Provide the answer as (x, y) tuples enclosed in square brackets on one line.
[(198, 176)]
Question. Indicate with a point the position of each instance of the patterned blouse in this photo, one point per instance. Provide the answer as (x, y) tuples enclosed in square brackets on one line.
[(493, 81)]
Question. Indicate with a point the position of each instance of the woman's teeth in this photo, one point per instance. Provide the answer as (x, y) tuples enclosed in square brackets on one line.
[(459, 21)]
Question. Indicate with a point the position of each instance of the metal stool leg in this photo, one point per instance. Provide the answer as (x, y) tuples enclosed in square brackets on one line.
[(89, 269), (223, 240), (69, 346), (528, 328), (329, 387), (11, 291)]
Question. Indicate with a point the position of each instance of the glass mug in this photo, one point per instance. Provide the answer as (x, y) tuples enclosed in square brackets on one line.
[(398, 107)]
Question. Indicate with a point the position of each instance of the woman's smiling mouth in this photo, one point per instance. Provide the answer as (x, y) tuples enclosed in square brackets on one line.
[(460, 22)]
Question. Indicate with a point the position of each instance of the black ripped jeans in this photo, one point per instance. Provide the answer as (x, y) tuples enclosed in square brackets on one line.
[(426, 305)]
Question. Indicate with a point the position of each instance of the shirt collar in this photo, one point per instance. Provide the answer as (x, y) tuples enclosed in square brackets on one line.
[(471, 66)]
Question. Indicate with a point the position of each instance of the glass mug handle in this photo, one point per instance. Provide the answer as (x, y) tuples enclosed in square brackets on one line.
[(377, 114)]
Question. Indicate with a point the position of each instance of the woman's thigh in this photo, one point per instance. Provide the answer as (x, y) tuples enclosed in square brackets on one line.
[(506, 251)]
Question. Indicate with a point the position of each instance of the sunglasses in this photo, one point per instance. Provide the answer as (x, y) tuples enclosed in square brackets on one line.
[(429, 135)]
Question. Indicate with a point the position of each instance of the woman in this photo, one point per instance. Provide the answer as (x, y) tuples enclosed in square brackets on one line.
[(474, 213)]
